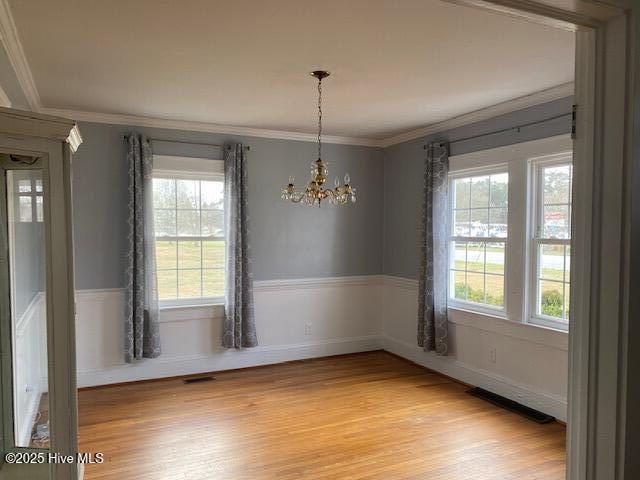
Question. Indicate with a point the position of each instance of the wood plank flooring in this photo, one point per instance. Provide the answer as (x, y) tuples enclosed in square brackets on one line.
[(364, 416)]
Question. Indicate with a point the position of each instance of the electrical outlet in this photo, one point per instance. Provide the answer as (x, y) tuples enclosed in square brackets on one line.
[(307, 328), (492, 355)]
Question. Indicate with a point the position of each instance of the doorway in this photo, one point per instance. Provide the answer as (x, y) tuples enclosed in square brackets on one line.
[(600, 264)]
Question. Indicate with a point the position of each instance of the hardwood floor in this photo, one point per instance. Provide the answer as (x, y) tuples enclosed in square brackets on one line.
[(364, 416)]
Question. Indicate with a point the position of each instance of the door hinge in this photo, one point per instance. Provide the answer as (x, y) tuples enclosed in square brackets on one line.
[(573, 121)]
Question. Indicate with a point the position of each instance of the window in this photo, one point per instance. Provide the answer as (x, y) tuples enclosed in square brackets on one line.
[(510, 235), (29, 195), (551, 243), (189, 231), (479, 235)]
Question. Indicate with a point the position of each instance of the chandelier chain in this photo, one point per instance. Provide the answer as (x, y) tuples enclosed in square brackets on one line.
[(320, 118), (315, 191)]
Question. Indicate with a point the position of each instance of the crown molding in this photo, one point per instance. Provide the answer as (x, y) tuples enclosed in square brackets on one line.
[(137, 121), (11, 41), (15, 52), (537, 98), (544, 96), (40, 125), (75, 138), (571, 16)]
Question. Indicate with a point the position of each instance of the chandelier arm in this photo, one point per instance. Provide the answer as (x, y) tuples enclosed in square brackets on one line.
[(314, 192), (330, 193)]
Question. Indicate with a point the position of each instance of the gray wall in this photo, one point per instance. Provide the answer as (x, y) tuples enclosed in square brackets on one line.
[(377, 235), (403, 173), (289, 241)]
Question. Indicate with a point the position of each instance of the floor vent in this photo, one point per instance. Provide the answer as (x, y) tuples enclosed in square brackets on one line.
[(510, 405), (186, 381)]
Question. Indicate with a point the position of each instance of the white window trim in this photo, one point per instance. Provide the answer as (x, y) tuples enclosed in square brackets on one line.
[(535, 167), (188, 168), (456, 302), (517, 269), (190, 303)]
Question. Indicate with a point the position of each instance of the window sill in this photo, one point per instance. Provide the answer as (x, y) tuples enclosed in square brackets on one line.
[(503, 326), (168, 308), (477, 309), (185, 313), (548, 323)]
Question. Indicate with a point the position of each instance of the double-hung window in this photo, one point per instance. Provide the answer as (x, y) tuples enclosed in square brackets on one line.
[(188, 202), (510, 234), (551, 240), (478, 237)]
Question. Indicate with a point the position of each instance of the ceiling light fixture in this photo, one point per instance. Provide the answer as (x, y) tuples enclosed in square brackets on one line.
[(314, 193)]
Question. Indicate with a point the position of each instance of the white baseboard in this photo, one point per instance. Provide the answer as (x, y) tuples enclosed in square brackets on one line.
[(344, 315), (295, 319), (163, 367), (524, 394)]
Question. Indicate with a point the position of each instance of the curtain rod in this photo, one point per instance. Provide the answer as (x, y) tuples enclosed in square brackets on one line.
[(219, 145), (504, 130)]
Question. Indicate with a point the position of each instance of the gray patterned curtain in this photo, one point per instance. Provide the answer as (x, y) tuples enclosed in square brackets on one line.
[(142, 332), (239, 327), (432, 300)]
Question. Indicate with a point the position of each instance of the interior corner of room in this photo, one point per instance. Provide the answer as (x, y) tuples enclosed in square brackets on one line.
[(179, 207)]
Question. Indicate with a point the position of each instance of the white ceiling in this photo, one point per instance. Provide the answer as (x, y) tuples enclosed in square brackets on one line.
[(396, 64)]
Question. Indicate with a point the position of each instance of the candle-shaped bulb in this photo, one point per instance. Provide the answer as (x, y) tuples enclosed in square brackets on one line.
[(291, 179), (336, 182), (347, 179)]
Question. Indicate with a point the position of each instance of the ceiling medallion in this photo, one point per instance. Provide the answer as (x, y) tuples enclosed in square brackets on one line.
[(314, 192)]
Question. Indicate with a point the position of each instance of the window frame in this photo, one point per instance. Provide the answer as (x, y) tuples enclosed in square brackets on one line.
[(535, 239), (188, 168), (518, 158), (497, 168)]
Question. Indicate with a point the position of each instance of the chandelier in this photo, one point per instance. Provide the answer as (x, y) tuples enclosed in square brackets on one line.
[(314, 192)]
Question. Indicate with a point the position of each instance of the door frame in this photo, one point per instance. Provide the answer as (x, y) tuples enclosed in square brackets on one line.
[(7, 308), (54, 158), (607, 37)]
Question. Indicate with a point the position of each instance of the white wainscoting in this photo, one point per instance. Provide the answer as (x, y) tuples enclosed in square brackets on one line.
[(346, 315), (30, 366), (295, 319), (531, 363)]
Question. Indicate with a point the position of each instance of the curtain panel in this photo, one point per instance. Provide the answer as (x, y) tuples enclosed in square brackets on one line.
[(142, 331), (239, 327), (432, 299)]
